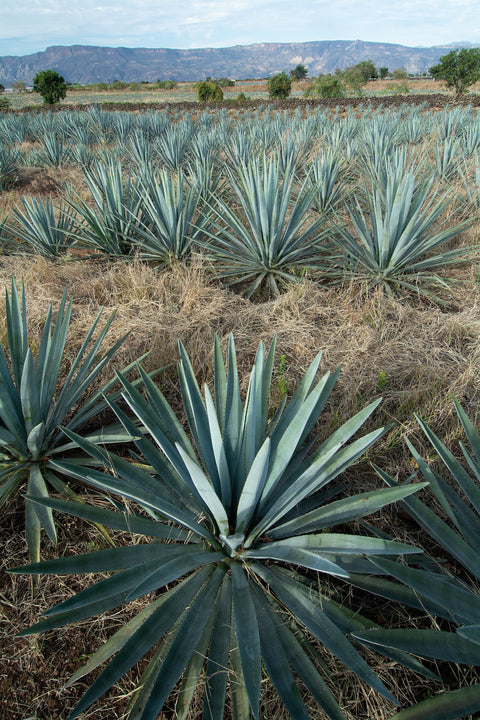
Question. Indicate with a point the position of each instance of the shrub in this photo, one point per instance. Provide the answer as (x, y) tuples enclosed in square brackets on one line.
[(398, 88), (166, 84), (118, 85), (279, 86), (326, 86), (209, 92)]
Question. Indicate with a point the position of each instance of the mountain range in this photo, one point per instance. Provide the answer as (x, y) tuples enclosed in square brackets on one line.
[(89, 64)]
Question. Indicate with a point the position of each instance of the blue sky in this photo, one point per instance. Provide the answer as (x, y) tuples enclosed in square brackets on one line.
[(28, 26)]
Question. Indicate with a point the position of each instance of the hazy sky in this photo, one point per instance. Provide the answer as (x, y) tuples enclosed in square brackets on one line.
[(28, 26)]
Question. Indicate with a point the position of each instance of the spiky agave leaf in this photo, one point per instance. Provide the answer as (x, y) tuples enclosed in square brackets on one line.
[(238, 503), (33, 405)]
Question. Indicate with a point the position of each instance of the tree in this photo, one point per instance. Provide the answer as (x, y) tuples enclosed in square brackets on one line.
[(2, 88), (299, 73), (279, 86), (383, 72), (354, 79), (367, 70), (18, 86), (50, 85), (209, 91), (459, 68), (399, 74)]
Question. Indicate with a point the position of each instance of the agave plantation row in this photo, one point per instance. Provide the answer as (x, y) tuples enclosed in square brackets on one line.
[(264, 196), (235, 520)]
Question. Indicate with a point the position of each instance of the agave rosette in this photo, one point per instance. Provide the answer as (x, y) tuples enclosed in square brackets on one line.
[(33, 406), (239, 516)]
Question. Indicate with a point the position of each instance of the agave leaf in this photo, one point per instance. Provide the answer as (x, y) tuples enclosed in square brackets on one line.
[(217, 663), (440, 531), (426, 643), (238, 690), (16, 330), (317, 622), (298, 556), (450, 705), (212, 502), (37, 486), (117, 558), (343, 510), (32, 531), (247, 632), (135, 492), (127, 521), (191, 675), (185, 643), (276, 661), (301, 662), (341, 543), (440, 589), (150, 632), (171, 571), (253, 487), (118, 640)]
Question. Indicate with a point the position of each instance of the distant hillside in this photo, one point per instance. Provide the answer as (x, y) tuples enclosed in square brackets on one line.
[(88, 64)]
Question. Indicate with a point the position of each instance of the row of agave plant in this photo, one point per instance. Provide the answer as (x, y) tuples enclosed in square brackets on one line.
[(237, 527), (262, 219)]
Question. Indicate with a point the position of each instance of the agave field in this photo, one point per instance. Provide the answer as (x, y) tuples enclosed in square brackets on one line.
[(239, 411)]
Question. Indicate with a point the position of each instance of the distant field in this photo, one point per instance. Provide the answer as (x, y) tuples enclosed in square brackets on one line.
[(186, 92)]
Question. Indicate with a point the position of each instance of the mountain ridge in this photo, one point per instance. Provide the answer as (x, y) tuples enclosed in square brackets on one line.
[(91, 64)]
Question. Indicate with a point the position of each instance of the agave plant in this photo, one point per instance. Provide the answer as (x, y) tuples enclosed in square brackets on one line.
[(113, 226), (276, 239), (10, 160), (436, 588), (325, 170), (33, 405), (170, 215), (40, 228), (53, 151), (232, 513), (394, 249)]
